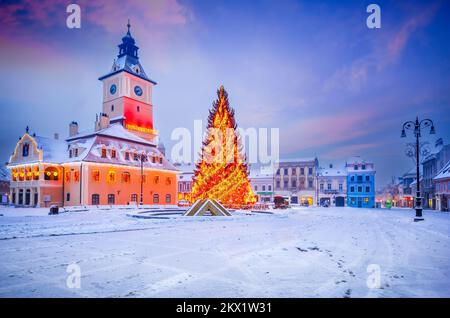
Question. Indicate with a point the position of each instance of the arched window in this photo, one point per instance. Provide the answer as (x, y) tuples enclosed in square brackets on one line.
[(95, 199), (168, 198), (28, 174), (25, 150), (156, 198), (111, 199), (111, 176), (134, 198), (36, 173), (156, 180), (126, 177), (51, 173)]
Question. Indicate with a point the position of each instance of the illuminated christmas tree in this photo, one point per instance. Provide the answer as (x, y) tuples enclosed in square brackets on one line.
[(221, 172)]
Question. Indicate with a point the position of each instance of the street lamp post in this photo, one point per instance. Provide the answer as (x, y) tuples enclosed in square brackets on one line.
[(416, 127), (143, 158)]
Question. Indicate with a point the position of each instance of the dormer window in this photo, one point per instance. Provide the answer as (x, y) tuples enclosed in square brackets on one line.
[(103, 152), (113, 153), (25, 150), (70, 153)]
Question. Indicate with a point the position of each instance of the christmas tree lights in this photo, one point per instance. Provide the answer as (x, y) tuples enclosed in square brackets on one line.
[(221, 172)]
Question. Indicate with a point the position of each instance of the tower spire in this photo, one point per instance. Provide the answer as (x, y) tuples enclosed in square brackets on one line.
[(128, 26)]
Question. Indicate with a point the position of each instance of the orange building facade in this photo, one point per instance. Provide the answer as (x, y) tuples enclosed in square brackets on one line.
[(117, 163)]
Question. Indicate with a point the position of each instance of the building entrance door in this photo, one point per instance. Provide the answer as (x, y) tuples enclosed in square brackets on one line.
[(340, 201)]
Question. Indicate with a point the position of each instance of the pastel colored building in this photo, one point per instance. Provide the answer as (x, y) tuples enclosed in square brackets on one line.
[(332, 184), (117, 162), (296, 180), (262, 184), (360, 183), (185, 181), (442, 185)]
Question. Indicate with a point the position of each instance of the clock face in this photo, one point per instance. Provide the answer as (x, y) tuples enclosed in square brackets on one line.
[(138, 90), (113, 89)]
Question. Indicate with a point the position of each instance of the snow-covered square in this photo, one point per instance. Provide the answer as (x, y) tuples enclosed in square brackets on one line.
[(303, 252)]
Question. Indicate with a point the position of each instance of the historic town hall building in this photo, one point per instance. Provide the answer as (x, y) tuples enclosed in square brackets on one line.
[(118, 162)]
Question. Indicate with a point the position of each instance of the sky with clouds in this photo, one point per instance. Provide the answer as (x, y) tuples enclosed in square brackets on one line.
[(335, 88)]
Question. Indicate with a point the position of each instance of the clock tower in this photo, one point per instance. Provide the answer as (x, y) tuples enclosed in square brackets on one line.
[(127, 91)]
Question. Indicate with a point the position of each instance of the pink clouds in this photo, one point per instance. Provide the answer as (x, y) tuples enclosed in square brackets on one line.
[(322, 131), (17, 18), (400, 39)]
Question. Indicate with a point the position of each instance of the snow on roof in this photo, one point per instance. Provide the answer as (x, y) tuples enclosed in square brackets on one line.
[(356, 160), (185, 168), (115, 130), (444, 173), (55, 150), (4, 174), (295, 160), (122, 147), (331, 172)]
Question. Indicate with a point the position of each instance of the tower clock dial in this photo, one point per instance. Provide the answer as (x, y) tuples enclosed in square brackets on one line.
[(138, 90), (113, 89)]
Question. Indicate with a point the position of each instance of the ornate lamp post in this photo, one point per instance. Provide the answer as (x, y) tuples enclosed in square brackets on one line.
[(416, 127), (143, 158)]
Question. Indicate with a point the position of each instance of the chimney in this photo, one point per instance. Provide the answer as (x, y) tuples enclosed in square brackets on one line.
[(56, 135), (73, 129), (102, 122)]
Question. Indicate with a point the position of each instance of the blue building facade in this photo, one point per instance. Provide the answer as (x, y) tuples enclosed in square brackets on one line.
[(360, 183)]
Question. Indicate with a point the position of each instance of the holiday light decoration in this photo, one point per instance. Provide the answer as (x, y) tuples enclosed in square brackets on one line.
[(222, 172)]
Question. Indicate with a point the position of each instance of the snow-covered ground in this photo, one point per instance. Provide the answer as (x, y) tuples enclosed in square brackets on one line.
[(305, 252)]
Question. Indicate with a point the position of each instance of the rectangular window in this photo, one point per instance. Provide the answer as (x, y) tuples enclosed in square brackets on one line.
[(168, 198), (341, 187), (270, 188), (367, 178), (356, 167), (359, 189), (294, 183), (329, 186), (67, 176), (321, 186), (127, 156), (302, 171), (310, 183), (352, 189), (264, 188), (113, 153), (96, 176), (310, 171), (135, 157), (278, 184), (367, 189), (111, 199), (360, 178), (294, 171), (285, 184), (285, 171), (103, 153), (68, 197), (76, 176), (76, 152), (363, 167), (278, 172)]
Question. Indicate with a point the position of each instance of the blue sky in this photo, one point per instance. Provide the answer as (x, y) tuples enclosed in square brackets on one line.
[(312, 68)]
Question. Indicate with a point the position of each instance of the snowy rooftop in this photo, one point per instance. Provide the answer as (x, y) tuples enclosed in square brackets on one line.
[(295, 160), (332, 172), (444, 173), (114, 130), (55, 150), (4, 174)]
